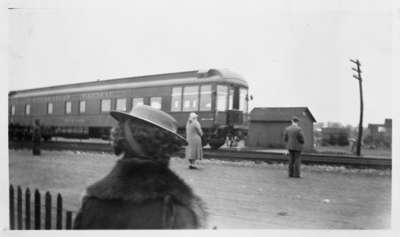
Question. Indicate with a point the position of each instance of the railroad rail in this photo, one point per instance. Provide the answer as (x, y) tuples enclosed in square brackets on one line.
[(235, 155)]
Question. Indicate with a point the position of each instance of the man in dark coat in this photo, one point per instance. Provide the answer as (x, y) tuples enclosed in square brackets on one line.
[(36, 138), (141, 192), (294, 139)]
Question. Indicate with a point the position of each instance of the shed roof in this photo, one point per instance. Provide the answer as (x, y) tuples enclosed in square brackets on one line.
[(277, 114)]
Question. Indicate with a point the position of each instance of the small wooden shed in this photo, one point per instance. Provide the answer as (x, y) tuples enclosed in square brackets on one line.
[(267, 125)]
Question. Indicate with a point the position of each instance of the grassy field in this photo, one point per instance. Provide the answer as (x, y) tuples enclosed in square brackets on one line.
[(238, 194)]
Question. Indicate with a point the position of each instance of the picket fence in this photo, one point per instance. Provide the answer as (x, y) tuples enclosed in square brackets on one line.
[(23, 220)]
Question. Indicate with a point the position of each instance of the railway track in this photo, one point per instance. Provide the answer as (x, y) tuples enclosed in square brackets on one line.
[(234, 155)]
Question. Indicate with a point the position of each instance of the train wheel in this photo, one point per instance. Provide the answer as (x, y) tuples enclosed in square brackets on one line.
[(216, 143), (46, 138)]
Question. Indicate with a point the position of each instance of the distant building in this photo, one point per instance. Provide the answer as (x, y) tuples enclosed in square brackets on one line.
[(376, 130), (267, 125), (380, 134)]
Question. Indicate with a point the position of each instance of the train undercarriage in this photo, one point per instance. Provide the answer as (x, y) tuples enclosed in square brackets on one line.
[(215, 137), (231, 126)]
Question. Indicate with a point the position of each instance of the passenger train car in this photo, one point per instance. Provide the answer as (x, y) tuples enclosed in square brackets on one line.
[(81, 110)]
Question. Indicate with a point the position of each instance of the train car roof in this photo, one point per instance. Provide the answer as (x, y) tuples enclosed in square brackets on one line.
[(176, 78)]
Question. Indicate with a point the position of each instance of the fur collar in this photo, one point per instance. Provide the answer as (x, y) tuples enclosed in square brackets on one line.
[(138, 181)]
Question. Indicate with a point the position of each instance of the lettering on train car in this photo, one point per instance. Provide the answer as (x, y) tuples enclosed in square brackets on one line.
[(101, 94)]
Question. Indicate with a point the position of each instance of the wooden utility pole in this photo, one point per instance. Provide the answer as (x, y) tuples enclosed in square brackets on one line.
[(360, 126)]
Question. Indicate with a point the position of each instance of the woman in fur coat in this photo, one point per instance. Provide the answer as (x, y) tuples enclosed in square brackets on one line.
[(141, 192)]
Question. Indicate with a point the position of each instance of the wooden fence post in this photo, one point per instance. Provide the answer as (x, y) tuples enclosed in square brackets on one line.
[(47, 220), (27, 209), (19, 208), (12, 208), (59, 212), (69, 220), (37, 210), (22, 220)]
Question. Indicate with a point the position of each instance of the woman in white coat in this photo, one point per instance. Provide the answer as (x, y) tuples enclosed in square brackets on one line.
[(194, 149)]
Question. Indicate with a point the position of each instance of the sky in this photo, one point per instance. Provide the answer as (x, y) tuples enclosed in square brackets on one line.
[(292, 53)]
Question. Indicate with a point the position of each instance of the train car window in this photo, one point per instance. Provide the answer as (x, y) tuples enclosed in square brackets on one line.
[(121, 104), (137, 101), (12, 109), (82, 106), (243, 101), (105, 105), (176, 101), (155, 102), (205, 98), (190, 98), (68, 107), (50, 108), (222, 97), (27, 109), (230, 100)]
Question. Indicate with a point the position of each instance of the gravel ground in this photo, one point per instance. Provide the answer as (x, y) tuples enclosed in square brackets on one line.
[(242, 195)]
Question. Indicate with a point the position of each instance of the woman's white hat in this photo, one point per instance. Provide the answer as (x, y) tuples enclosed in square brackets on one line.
[(193, 115), (151, 116)]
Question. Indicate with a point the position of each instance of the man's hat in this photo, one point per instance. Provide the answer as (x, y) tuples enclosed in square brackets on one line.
[(151, 116), (295, 119)]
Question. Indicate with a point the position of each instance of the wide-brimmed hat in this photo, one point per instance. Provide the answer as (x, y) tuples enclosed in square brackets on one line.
[(151, 116)]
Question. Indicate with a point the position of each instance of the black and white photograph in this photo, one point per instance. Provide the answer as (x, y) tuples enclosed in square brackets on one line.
[(200, 115)]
